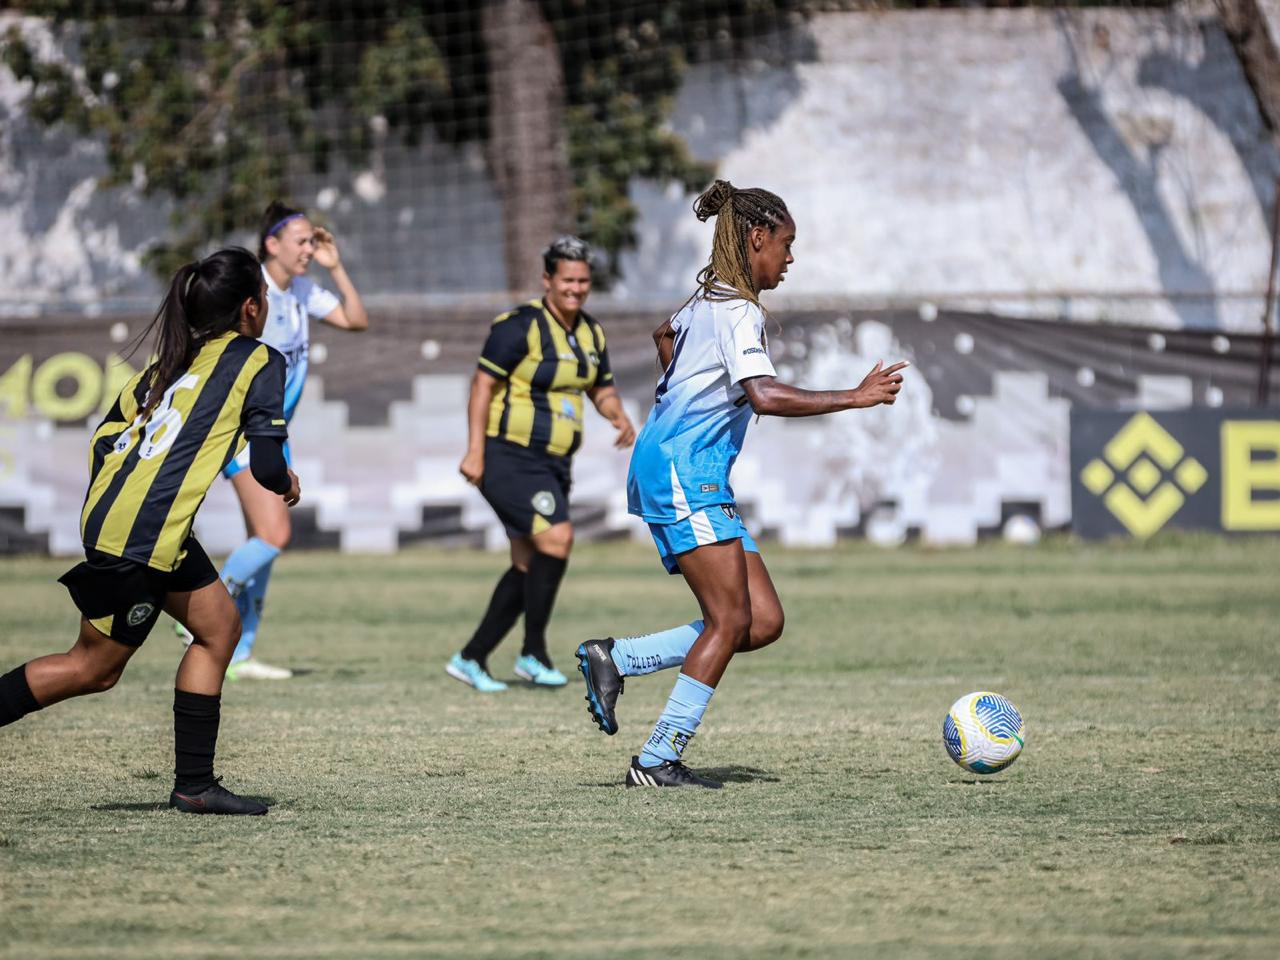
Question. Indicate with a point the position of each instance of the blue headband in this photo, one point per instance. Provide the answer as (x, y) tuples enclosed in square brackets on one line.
[(274, 230)]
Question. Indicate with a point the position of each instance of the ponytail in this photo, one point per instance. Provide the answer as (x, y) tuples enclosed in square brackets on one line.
[(203, 302)]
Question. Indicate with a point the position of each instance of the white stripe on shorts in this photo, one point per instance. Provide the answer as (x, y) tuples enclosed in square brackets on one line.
[(703, 532), (678, 499)]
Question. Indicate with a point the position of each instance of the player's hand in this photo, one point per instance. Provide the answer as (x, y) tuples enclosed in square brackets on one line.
[(472, 468), (626, 434), (326, 249), (881, 385), (295, 490)]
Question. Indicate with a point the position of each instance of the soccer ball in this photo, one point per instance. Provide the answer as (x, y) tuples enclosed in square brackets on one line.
[(983, 732)]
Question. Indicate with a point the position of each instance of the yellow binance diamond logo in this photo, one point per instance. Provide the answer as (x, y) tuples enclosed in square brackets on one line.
[(1143, 476)]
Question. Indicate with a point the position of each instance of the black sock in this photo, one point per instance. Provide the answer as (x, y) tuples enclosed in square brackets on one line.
[(505, 606), (195, 736), (16, 698), (540, 586)]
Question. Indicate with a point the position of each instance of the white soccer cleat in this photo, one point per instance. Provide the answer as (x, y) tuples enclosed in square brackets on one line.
[(252, 669)]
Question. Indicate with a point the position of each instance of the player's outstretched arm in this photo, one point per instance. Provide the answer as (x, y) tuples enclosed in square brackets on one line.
[(769, 396)]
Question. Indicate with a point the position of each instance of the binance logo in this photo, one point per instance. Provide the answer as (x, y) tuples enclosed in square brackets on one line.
[(1143, 476)]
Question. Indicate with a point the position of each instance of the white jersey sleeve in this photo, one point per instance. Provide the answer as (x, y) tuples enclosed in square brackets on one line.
[(319, 302), (739, 342)]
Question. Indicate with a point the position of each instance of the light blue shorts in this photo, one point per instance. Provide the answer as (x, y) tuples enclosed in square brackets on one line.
[(241, 461), (712, 525)]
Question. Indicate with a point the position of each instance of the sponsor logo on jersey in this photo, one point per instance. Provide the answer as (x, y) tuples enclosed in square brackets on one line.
[(710, 488), (750, 350), (544, 501)]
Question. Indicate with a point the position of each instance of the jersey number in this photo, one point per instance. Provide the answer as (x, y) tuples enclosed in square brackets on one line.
[(160, 432)]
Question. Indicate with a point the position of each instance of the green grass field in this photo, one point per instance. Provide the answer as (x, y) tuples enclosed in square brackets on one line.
[(414, 818)]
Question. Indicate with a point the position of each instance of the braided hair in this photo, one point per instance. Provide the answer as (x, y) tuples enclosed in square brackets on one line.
[(727, 275)]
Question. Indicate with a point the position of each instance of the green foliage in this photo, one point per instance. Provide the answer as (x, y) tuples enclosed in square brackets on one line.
[(623, 65), (219, 107)]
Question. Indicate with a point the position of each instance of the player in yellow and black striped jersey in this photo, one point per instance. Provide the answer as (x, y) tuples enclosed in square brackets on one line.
[(148, 479), (543, 369), (170, 432), (524, 425)]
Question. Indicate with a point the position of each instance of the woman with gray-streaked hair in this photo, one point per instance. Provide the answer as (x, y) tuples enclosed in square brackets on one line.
[(524, 421)]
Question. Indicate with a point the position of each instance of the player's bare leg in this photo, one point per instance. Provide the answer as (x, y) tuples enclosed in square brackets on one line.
[(767, 618), (210, 615), (717, 575), (92, 665)]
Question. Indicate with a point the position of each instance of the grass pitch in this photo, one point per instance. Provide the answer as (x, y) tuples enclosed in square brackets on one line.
[(415, 818)]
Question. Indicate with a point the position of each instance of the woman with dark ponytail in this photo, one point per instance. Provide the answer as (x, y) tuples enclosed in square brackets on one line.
[(288, 243), (175, 425), (716, 374)]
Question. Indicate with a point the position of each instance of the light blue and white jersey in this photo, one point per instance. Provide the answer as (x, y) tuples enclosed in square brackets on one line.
[(700, 415), (288, 328)]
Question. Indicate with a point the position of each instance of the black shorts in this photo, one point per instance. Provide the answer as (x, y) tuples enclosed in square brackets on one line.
[(123, 598), (529, 491)]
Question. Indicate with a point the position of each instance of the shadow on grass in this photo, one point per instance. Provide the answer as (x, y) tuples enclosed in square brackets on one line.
[(156, 807), (738, 774), (733, 774), (977, 782)]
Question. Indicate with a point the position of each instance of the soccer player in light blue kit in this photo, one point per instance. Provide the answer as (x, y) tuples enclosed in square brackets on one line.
[(717, 374), (287, 244)]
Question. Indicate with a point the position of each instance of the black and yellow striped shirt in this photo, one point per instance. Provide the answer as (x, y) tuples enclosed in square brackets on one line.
[(147, 480), (546, 369)]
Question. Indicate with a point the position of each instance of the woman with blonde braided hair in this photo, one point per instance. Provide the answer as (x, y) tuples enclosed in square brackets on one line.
[(716, 374)]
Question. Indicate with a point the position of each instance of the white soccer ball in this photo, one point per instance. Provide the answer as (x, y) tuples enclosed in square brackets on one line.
[(983, 732)]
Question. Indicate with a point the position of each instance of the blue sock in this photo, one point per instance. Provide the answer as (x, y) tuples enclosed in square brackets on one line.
[(636, 656), (249, 603), (245, 561), (679, 721)]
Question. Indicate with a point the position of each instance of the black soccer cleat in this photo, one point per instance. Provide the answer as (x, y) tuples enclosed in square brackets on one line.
[(669, 773), (604, 682), (216, 798)]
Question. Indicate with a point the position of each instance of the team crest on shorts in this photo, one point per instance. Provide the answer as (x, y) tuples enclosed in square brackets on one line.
[(544, 501), (728, 510), (138, 613)]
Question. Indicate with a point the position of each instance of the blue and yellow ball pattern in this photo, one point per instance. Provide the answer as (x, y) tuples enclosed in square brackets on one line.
[(983, 732)]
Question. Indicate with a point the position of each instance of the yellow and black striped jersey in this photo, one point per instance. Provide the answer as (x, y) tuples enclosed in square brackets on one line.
[(546, 368), (146, 480)]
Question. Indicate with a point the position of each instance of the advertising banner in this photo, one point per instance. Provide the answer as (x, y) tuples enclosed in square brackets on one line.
[(1136, 473)]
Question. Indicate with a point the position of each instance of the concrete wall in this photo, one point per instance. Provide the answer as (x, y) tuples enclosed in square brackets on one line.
[(1104, 164)]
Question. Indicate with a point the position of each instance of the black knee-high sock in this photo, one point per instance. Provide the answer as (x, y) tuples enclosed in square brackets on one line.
[(16, 698), (195, 736), (540, 586), (506, 604)]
